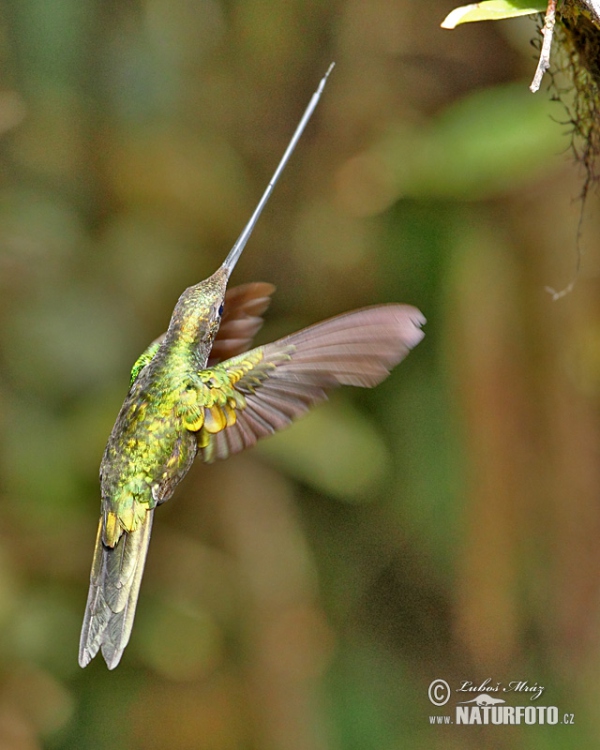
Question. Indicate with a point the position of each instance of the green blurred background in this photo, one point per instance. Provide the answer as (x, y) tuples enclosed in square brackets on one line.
[(304, 595)]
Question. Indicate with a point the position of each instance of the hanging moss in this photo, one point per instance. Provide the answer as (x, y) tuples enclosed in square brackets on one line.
[(579, 37)]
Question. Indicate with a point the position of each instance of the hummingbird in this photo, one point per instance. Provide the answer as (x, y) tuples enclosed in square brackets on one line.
[(200, 391)]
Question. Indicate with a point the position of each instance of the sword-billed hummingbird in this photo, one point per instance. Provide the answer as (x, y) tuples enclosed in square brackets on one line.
[(198, 391)]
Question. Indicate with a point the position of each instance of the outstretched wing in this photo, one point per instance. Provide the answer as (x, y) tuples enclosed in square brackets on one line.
[(257, 393), (243, 307)]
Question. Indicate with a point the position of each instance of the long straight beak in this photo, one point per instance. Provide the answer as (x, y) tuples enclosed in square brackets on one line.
[(240, 244)]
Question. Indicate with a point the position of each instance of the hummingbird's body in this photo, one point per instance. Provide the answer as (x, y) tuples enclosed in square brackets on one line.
[(151, 447), (197, 390)]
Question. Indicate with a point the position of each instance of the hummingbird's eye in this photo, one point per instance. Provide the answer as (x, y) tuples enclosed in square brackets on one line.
[(220, 310)]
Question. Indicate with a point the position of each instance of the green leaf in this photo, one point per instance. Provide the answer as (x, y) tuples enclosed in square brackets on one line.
[(492, 10)]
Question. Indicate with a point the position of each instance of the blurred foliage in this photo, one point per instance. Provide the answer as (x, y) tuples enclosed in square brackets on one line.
[(304, 595)]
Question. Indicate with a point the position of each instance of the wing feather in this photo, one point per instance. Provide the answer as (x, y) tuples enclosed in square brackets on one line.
[(267, 387), (243, 307)]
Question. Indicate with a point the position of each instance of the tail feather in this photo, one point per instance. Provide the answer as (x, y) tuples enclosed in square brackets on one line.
[(114, 589)]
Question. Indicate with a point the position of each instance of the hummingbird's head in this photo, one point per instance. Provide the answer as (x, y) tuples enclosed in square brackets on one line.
[(197, 314)]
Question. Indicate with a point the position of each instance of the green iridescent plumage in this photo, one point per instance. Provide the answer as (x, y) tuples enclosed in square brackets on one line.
[(145, 358), (198, 391)]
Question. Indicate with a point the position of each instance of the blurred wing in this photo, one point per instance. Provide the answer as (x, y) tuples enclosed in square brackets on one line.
[(257, 393), (242, 310), (114, 589)]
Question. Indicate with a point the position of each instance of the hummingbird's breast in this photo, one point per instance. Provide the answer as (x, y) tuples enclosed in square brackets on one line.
[(149, 450)]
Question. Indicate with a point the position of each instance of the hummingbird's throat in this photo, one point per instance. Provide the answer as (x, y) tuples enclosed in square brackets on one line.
[(196, 317)]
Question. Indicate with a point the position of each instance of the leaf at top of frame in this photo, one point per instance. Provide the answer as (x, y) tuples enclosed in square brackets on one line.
[(492, 10)]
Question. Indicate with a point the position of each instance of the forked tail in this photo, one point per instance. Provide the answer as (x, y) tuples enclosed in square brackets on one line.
[(114, 589)]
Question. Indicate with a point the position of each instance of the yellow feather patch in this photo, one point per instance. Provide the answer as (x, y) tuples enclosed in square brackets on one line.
[(131, 517), (236, 400), (127, 518), (194, 419), (230, 415), (112, 529), (214, 420)]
